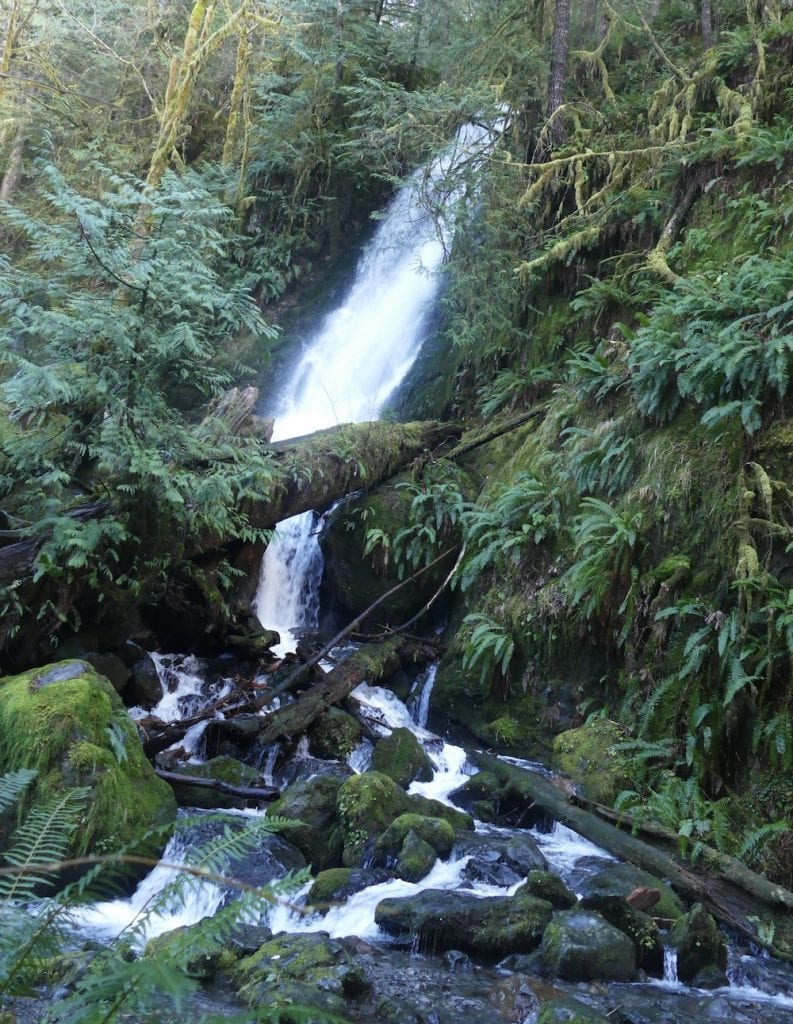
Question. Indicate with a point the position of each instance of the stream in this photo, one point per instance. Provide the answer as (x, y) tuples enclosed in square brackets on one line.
[(345, 373)]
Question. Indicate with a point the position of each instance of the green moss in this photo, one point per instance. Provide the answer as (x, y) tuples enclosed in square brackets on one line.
[(328, 883), (401, 757), (223, 769), (548, 887), (57, 720), (334, 735), (588, 756), (366, 805), (436, 832), (416, 858)]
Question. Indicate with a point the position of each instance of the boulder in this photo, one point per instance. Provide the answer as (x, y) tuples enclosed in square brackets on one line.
[(402, 758), (416, 858), (459, 820), (438, 833), (621, 879), (580, 945), (499, 859), (700, 945), (222, 769), (640, 929), (68, 723), (547, 886), (312, 803), (482, 791), (310, 971), (144, 688), (338, 884), (366, 805), (334, 735), (437, 920), (589, 756), (568, 1011)]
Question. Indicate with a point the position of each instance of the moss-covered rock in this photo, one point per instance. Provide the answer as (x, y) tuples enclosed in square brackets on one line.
[(312, 971), (589, 757), (459, 820), (568, 1011), (188, 949), (435, 831), (402, 758), (312, 802), (640, 929), (366, 806), (700, 944), (334, 735), (222, 769), (416, 859), (68, 723), (488, 927), (481, 788), (549, 887), (337, 884), (582, 946)]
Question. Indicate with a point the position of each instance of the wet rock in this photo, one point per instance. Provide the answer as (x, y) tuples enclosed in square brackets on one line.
[(438, 833), (459, 820), (270, 857), (457, 961), (710, 978), (515, 998), (338, 884), (222, 769), (581, 946), (402, 758), (306, 768), (486, 927), (256, 643), (568, 1011), (234, 737), (334, 735), (312, 971), (312, 803), (144, 688), (589, 756), (620, 879), (547, 886), (640, 929), (700, 944), (416, 858), (188, 948), (499, 856)]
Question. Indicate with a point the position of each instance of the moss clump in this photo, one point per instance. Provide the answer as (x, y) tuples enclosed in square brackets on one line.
[(588, 756), (416, 858), (700, 944), (334, 735), (423, 805), (64, 721), (366, 805), (328, 884), (401, 757)]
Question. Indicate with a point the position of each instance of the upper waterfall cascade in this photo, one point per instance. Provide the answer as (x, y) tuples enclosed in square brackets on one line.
[(361, 353)]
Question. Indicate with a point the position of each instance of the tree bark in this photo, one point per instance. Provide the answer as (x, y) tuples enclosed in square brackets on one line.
[(243, 792), (558, 75), (731, 892), (706, 21)]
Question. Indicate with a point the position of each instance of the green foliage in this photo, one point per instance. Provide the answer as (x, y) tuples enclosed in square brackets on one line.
[(115, 319), (489, 646)]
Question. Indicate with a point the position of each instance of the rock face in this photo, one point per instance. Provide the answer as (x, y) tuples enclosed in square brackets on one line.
[(67, 722), (488, 927), (700, 947), (622, 879), (401, 757), (588, 756), (580, 945)]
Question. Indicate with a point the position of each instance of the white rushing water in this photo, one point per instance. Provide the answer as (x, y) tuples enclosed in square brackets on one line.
[(355, 361)]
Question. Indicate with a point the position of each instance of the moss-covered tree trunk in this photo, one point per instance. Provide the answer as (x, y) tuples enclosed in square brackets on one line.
[(558, 75)]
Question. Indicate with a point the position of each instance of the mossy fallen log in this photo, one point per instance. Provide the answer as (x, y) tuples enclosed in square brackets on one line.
[(369, 664), (262, 792), (732, 892)]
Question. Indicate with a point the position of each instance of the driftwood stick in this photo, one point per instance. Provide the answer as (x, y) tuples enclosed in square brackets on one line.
[(243, 792)]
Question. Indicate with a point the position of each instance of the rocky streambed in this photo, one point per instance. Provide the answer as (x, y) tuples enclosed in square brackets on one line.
[(423, 894)]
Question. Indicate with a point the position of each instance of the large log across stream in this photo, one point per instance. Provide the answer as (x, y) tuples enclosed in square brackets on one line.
[(738, 897), (310, 473)]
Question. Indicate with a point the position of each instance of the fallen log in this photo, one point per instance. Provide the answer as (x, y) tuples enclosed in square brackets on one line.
[(262, 792), (369, 664), (310, 473), (735, 895)]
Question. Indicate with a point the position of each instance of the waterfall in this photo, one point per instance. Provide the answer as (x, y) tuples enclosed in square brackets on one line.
[(355, 361)]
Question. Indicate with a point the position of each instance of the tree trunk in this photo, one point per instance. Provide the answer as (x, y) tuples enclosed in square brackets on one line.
[(735, 895), (706, 21), (13, 168), (243, 792), (558, 75)]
